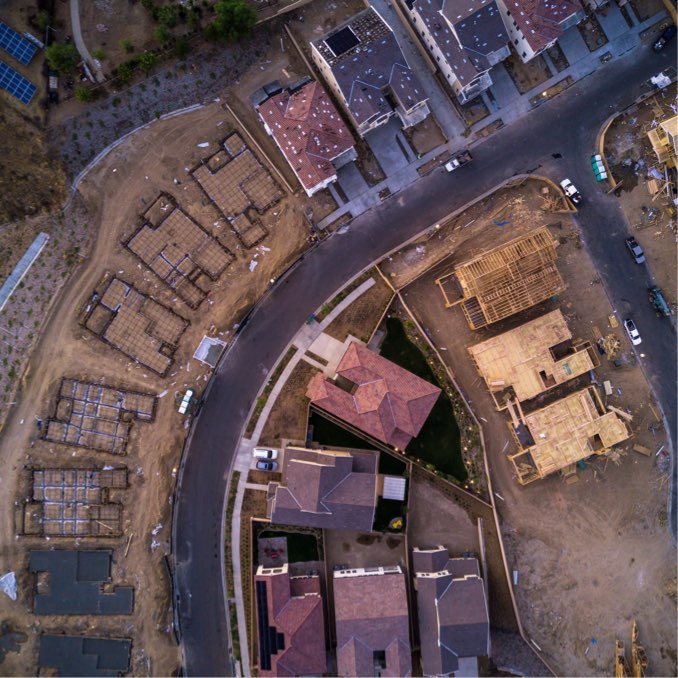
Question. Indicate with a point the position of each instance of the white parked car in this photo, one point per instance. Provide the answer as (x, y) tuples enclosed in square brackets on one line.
[(632, 331), (265, 453), (570, 191)]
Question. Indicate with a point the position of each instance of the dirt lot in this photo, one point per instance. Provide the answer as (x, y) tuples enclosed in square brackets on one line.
[(631, 158), (567, 593), (527, 76), (288, 416), (426, 135), (116, 192)]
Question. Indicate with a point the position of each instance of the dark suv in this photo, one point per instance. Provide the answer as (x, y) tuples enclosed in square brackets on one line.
[(664, 38)]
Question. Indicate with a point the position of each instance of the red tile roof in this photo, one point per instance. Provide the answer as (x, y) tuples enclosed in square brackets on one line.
[(540, 20), (295, 609), (388, 402), (309, 131)]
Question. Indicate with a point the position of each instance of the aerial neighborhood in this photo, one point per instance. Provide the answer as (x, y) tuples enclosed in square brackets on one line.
[(338, 338)]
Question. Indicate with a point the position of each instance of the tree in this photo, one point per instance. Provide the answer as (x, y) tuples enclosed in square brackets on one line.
[(83, 94), (147, 60), (127, 45), (62, 58), (234, 21), (41, 19)]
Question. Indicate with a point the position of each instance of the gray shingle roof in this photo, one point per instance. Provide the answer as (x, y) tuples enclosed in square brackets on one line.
[(453, 615), (365, 71)]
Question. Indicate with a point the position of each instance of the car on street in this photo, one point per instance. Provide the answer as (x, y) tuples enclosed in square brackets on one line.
[(265, 453), (267, 466), (570, 191), (636, 250), (664, 38), (632, 331), (658, 301)]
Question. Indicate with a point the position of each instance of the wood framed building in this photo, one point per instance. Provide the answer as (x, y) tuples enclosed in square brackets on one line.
[(531, 359), (556, 437), (504, 281)]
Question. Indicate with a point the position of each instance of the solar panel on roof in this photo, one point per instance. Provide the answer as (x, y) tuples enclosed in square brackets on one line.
[(16, 84), (342, 41), (16, 44)]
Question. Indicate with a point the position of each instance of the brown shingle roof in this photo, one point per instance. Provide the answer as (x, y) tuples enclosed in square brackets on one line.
[(372, 616), (452, 610), (326, 489), (540, 20), (388, 402), (299, 618), (308, 130)]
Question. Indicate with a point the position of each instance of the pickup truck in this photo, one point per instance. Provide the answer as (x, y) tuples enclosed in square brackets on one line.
[(458, 160), (658, 301)]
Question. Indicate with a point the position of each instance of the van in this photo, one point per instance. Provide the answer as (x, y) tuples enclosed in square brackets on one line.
[(265, 453)]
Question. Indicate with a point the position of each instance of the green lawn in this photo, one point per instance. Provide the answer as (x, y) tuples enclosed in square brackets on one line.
[(439, 440), (301, 547)]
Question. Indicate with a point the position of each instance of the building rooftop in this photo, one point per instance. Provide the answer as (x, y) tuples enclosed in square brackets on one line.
[(325, 489), (75, 586), (539, 20), (563, 433), (290, 623), (452, 610), (465, 32), (372, 622), (506, 280), (84, 656), (365, 59), (308, 130), (375, 396), (532, 358)]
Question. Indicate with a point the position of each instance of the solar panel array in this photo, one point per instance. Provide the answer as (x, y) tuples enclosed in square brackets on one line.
[(16, 44), (16, 84)]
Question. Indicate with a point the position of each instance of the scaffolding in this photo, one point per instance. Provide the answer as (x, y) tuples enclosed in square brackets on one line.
[(531, 359), (505, 280), (556, 437)]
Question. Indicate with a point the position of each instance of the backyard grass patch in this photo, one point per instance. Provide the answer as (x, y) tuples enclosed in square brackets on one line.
[(439, 441), (301, 547), (326, 308), (391, 466), (330, 434)]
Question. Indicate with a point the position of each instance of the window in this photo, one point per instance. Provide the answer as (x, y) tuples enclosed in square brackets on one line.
[(515, 42), (524, 53), (437, 58)]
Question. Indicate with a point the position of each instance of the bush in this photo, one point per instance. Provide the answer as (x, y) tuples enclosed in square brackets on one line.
[(126, 45), (84, 94), (99, 54), (167, 16), (62, 58), (125, 71), (182, 47), (234, 21), (162, 35), (147, 61)]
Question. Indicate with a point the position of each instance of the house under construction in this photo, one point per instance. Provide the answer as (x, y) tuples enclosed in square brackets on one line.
[(505, 280), (532, 358), (664, 140), (639, 660), (556, 437)]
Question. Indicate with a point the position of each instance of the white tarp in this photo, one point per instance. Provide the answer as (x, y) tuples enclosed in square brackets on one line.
[(8, 584)]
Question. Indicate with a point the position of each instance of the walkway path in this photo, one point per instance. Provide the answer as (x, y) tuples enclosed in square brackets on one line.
[(80, 43)]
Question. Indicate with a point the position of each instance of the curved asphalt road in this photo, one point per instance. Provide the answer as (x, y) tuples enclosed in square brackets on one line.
[(566, 125)]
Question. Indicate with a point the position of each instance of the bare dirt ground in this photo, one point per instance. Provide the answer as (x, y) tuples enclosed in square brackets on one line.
[(425, 135), (594, 555), (631, 158), (528, 75), (116, 192)]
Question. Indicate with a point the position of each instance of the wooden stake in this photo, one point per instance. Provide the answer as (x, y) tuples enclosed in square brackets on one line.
[(129, 541), (108, 527)]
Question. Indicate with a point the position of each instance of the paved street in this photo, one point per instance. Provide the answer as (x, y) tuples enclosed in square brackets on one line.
[(567, 125)]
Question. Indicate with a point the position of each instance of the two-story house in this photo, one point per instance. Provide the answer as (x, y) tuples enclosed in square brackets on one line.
[(464, 38), (362, 63)]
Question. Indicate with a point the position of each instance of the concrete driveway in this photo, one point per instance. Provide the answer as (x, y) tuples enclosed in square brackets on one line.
[(389, 145)]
